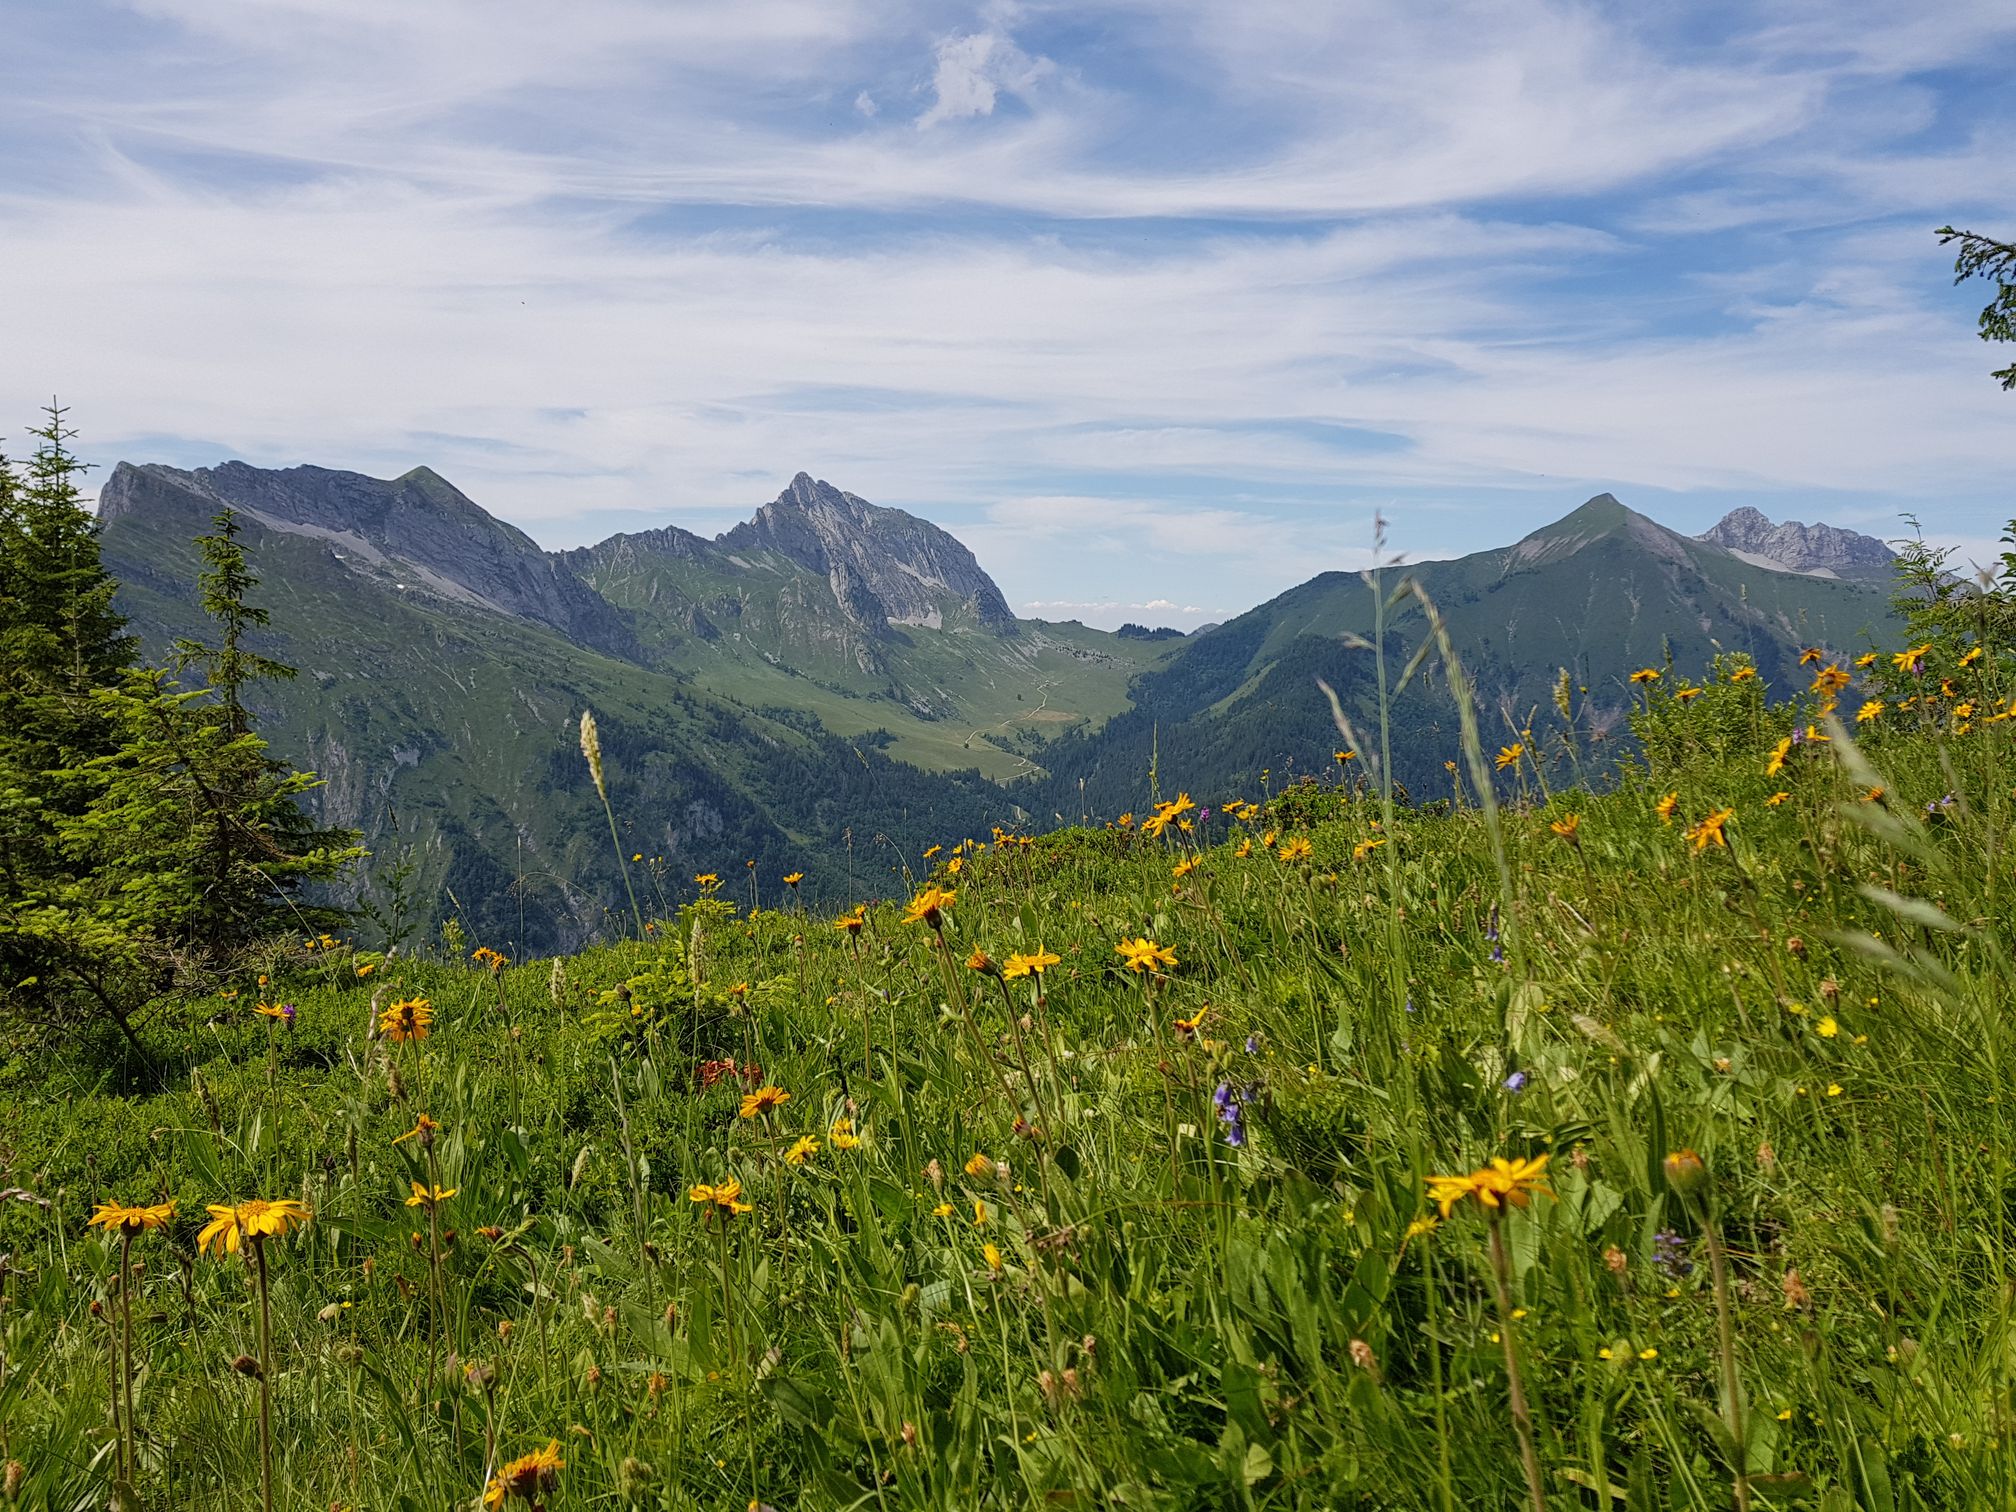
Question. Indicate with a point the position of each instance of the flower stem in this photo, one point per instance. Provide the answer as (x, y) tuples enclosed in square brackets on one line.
[(265, 1377), (1732, 1399), (126, 1369), (1522, 1419)]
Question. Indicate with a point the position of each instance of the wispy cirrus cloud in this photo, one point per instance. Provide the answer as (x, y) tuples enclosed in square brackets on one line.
[(1117, 291)]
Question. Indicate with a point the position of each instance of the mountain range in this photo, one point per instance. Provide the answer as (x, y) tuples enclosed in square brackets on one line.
[(832, 684)]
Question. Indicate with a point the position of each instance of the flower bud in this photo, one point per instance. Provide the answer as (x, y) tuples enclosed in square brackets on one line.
[(1686, 1173), (248, 1367)]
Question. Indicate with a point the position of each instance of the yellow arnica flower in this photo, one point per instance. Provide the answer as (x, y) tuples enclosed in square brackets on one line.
[(1566, 826), (1298, 849), (805, 1148), (122, 1219), (1344, 756), (707, 880), (928, 906), (1365, 848), (723, 1197), (422, 1126), (1866, 660), (852, 922), (1709, 831), (483, 955), (406, 1019), (259, 1218), (1143, 955), (1646, 675), (991, 1253), (1183, 868), (1686, 695), (981, 1166), (1509, 755), (842, 1136), (764, 1100), (1185, 1027), (1903, 660), (792, 879), (1665, 806), (527, 1477), (1776, 798), (1972, 656), (427, 1197), (270, 1010), (934, 850), (1831, 680), (1743, 674), (1245, 847), (1778, 754), (1503, 1183), (1811, 655), (1020, 965), (1871, 709)]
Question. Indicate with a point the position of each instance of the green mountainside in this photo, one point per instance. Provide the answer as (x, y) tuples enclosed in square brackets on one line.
[(831, 676), (1601, 592)]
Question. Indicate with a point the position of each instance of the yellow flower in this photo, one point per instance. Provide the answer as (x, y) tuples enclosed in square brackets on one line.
[(366, 969), (1144, 955), (852, 922), (526, 1477), (1509, 755), (721, 1197), (421, 1128), (764, 1100), (131, 1220), (407, 1019), (981, 1166), (1245, 847), (1648, 1353), (943, 1210), (952, 867), (1297, 849), (792, 879), (1665, 806), (1709, 831), (1778, 754), (979, 1213), (1905, 659), (842, 1136), (256, 1219), (1743, 674), (1646, 675), (928, 906), (1827, 1028), (1810, 655), (1776, 798), (1187, 1027), (1830, 680), (1419, 1227), (638, 857), (1972, 656), (270, 1010), (706, 881), (1020, 965), (1870, 710), (1365, 848), (1833, 1089), (991, 1252), (1686, 695), (802, 1151), (1511, 1181), (1183, 868), (1447, 1191), (1344, 756), (428, 1197), (1566, 826)]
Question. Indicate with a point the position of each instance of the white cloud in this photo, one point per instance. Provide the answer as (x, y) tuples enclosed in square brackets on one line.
[(634, 258)]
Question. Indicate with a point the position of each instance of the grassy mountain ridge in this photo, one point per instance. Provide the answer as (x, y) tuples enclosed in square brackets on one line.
[(1601, 592)]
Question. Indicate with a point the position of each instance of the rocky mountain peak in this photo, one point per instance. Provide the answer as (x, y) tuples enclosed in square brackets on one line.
[(885, 566), (418, 532), (1817, 550)]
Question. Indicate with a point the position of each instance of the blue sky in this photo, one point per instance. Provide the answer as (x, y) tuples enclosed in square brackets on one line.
[(1155, 304)]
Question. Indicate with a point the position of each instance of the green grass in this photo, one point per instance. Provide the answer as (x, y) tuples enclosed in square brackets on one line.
[(1820, 1009)]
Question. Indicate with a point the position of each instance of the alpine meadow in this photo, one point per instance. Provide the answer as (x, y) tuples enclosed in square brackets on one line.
[(737, 1008)]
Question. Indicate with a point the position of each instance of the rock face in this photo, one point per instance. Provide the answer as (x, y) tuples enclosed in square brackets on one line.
[(1820, 550), (885, 567), (417, 532)]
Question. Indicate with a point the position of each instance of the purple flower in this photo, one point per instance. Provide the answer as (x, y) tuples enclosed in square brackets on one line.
[(1491, 925), (287, 1012), (1798, 735), (1203, 814), (1252, 1044), (1516, 1082), (1669, 1253), (1231, 1113), (1498, 954), (1410, 1005)]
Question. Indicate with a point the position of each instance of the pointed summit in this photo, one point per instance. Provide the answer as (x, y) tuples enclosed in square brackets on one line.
[(886, 567), (1598, 519)]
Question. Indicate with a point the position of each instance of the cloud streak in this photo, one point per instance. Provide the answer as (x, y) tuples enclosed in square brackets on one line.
[(1149, 303)]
